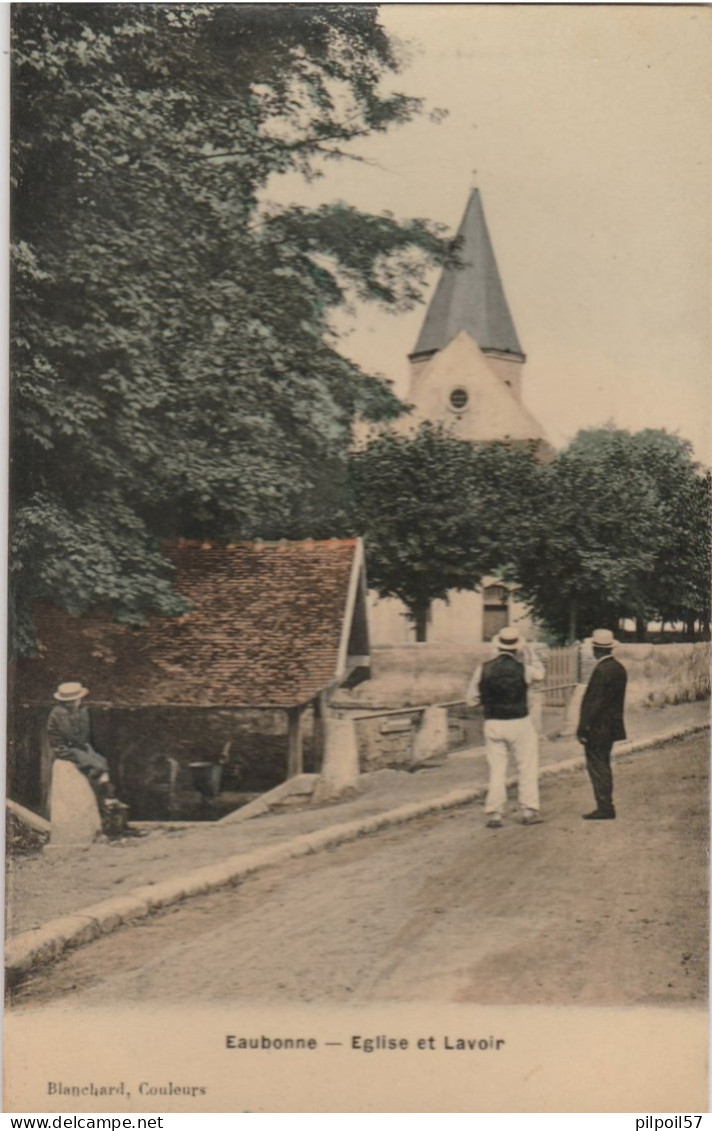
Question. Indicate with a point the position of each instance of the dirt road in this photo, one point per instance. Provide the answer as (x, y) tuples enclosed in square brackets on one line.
[(570, 912)]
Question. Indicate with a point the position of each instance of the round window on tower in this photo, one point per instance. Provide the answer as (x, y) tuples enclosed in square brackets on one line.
[(458, 399)]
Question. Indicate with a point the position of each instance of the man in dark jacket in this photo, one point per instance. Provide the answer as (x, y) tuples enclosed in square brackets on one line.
[(601, 722)]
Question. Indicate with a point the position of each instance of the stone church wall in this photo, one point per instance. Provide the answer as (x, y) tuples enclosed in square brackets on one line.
[(457, 621), (508, 371)]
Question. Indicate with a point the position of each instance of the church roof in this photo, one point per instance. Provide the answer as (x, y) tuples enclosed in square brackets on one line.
[(470, 298), (271, 625)]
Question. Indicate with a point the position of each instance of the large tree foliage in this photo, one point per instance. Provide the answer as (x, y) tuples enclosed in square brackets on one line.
[(174, 370), (618, 525), (622, 530), (439, 513)]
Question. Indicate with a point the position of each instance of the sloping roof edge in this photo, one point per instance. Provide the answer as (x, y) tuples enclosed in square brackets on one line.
[(355, 589)]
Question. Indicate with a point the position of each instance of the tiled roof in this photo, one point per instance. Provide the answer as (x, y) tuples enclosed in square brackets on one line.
[(264, 630), (471, 297)]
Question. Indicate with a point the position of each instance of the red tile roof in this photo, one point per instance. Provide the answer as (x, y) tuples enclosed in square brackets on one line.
[(264, 630)]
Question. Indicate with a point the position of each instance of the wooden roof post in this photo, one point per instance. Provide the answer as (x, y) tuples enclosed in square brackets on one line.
[(295, 754), (46, 759), (321, 718)]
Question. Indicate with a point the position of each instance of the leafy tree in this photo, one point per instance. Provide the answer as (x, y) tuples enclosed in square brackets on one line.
[(678, 586), (438, 513), (621, 530), (174, 367)]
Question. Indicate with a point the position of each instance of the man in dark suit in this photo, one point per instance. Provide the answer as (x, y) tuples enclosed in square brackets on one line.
[(601, 722)]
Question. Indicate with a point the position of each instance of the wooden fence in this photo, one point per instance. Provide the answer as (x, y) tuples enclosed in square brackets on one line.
[(562, 674)]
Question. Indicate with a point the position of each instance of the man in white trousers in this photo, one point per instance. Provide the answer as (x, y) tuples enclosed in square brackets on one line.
[(501, 687)]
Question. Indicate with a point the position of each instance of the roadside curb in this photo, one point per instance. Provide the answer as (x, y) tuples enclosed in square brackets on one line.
[(45, 944)]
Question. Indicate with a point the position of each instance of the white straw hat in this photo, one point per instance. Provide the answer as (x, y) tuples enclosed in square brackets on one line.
[(68, 692), (508, 640), (603, 638)]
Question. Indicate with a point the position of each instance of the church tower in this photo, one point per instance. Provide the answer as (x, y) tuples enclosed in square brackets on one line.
[(466, 368), (466, 373)]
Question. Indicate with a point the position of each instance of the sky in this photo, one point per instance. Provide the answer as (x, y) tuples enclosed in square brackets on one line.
[(586, 130)]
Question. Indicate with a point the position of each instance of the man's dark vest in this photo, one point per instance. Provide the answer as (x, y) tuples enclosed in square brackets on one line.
[(503, 689)]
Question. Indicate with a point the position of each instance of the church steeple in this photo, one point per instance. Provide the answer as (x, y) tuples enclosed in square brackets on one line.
[(471, 298)]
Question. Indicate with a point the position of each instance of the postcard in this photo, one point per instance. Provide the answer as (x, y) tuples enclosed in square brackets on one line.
[(359, 587)]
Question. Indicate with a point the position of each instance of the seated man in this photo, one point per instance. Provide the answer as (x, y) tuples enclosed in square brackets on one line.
[(69, 735)]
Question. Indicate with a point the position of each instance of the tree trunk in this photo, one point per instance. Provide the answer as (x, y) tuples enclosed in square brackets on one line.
[(572, 620), (641, 629), (420, 618)]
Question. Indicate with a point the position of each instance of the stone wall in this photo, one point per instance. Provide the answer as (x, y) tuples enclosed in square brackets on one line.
[(386, 742), (409, 675), (665, 673), (413, 674), (389, 741)]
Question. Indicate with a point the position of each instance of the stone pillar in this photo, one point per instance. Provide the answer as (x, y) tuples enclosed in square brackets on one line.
[(74, 815), (431, 737), (340, 768)]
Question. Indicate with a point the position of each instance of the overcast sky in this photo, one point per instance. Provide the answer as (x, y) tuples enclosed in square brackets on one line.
[(589, 130)]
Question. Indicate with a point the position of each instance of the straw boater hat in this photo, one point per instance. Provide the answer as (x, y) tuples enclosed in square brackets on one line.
[(68, 692), (507, 640), (603, 638)]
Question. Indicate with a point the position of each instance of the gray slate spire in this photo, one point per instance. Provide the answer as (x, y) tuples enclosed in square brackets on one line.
[(471, 298)]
